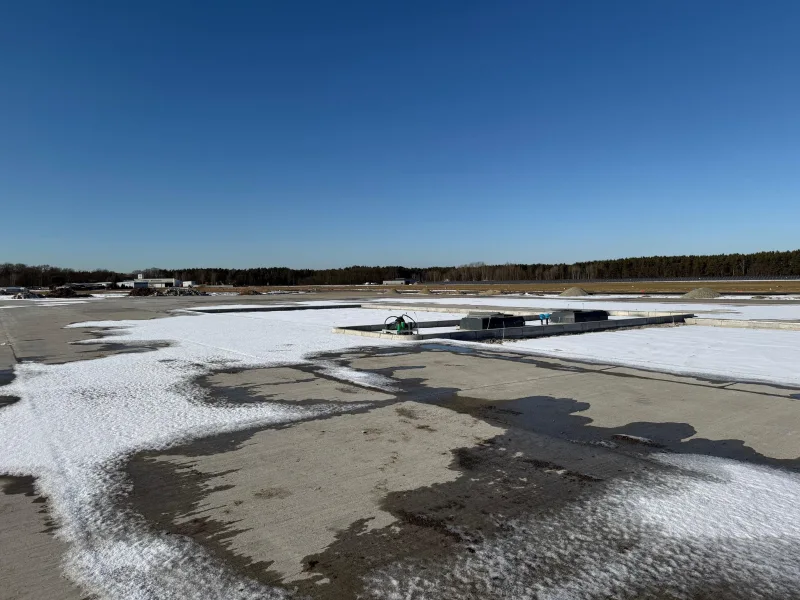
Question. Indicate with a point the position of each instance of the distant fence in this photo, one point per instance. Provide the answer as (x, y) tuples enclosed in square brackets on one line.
[(626, 280)]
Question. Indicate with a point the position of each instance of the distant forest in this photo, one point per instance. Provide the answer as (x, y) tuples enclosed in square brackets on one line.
[(760, 264)]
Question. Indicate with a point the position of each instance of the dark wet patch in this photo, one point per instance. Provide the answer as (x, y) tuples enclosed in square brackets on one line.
[(18, 485), (8, 401), (448, 348), (514, 475), (559, 417), (243, 393), (168, 496), (550, 457), (26, 486), (6, 376)]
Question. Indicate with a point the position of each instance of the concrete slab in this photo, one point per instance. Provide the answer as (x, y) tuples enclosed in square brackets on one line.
[(472, 439)]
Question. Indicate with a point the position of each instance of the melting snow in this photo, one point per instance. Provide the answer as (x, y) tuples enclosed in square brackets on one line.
[(697, 526), (76, 422), (766, 355)]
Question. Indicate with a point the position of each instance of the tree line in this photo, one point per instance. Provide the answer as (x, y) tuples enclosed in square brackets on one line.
[(759, 264)]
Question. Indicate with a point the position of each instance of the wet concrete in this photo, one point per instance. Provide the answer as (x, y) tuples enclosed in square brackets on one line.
[(550, 456), (31, 555)]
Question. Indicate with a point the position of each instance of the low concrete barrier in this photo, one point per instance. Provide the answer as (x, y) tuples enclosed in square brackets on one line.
[(511, 310), (267, 308), (528, 331), (741, 324)]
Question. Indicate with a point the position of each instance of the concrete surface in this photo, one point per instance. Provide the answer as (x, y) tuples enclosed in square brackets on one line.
[(471, 435)]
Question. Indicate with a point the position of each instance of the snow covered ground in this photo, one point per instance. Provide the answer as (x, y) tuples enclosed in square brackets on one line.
[(76, 422), (709, 523), (782, 312), (742, 354)]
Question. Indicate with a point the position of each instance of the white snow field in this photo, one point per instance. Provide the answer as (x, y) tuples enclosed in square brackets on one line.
[(764, 355), (76, 422), (773, 311), (709, 523)]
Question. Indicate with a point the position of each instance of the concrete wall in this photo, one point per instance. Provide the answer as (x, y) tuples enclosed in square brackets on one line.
[(736, 323)]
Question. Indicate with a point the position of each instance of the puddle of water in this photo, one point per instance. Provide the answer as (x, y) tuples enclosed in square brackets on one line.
[(448, 348)]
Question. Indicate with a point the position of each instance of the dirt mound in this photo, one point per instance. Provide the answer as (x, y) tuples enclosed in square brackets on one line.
[(26, 296), (62, 292), (701, 293), (490, 292), (575, 291), (758, 297), (249, 292), (144, 292), (425, 291), (183, 292)]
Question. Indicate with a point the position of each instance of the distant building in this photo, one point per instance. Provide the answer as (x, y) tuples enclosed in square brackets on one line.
[(142, 282), (397, 282)]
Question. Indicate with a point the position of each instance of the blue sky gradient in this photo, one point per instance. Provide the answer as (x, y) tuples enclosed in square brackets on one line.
[(321, 134)]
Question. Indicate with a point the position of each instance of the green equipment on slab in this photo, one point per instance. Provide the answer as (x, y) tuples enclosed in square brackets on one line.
[(402, 325)]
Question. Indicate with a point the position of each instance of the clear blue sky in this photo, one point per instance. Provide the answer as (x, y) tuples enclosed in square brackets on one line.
[(319, 134)]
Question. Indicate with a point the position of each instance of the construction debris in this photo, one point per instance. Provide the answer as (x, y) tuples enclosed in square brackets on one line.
[(26, 296), (62, 292), (174, 291)]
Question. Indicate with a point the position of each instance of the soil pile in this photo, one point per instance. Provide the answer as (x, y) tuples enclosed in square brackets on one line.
[(249, 292), (575, 291), (183, 292), (490, 292), (425, 291), (62, 292), (144, 292), (701, 294)]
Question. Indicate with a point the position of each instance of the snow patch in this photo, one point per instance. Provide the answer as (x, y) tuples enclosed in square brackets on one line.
[(765, 355), (698, 525), (76, 423)]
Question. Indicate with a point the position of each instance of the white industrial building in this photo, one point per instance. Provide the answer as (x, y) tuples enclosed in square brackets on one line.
[(161, 282), (398, 282)]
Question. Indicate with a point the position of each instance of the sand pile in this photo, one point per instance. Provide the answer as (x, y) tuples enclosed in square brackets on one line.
[(249, 292), (425, 291), (490, 292), (575, 291), (701, 293)]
